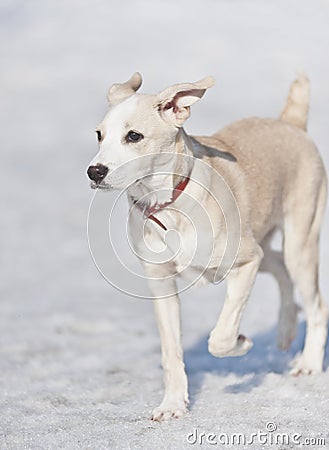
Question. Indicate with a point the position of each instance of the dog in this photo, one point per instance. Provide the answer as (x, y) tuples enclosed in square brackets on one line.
[(276, 179)]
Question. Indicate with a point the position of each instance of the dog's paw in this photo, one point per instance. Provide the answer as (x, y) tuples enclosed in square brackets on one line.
[(168, 410), (302, 366), (304, 370), (220, 348)]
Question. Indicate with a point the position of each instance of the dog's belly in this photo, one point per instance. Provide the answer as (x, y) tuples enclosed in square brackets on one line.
[(197, 276)]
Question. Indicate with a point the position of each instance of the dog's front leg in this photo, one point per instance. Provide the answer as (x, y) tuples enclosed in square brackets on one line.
[(224, 339), (167, 311), (175, 401)]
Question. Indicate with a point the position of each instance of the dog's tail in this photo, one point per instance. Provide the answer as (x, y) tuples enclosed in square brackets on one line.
[(297, 105)]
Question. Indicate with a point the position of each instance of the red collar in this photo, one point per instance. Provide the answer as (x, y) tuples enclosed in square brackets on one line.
[(149, 211)]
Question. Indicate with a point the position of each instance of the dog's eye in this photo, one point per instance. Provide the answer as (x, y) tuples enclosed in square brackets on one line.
[(99, 135), (133, 136)]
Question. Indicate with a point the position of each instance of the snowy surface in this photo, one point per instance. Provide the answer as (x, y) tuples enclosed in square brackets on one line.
[(80, 362)]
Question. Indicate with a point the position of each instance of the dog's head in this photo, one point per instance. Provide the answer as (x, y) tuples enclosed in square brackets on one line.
[(137, 125)]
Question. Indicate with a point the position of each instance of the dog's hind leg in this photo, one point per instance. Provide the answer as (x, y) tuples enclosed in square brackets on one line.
[(273, 263), (301, 254)]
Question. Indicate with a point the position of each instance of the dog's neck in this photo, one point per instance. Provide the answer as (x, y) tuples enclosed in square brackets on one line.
[(171, 170)]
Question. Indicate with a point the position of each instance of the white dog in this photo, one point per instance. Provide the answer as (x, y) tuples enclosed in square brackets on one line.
[(274, 180)]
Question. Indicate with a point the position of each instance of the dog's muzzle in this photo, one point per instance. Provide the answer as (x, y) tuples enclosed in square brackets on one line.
[(97, 173)]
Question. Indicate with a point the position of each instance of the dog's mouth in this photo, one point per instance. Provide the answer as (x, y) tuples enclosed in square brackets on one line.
[(100, 185)]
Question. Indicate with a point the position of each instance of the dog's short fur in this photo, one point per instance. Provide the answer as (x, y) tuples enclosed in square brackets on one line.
[(278, 180)]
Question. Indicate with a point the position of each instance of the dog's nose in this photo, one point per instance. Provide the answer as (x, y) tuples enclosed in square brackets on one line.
[(97, 173)]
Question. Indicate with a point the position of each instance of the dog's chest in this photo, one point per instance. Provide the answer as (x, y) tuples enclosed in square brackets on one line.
[(191, 245)]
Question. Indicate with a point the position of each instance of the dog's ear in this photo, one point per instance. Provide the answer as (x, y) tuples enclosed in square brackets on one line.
[(174, 102), (120, 91)]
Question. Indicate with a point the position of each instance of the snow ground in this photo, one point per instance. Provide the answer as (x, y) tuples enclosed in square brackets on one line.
[(80, 362)]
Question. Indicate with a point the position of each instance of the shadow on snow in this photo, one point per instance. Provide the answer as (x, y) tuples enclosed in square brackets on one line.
[(262, 359)]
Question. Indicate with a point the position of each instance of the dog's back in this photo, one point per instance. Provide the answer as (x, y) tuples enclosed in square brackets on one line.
[(278, 161)]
